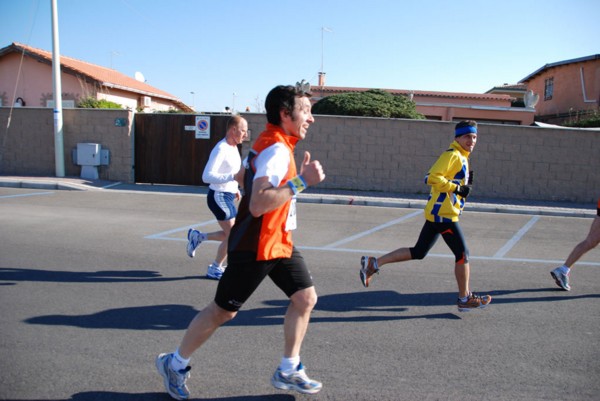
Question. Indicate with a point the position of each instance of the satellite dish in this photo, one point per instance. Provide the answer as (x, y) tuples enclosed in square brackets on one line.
[(139, 76)]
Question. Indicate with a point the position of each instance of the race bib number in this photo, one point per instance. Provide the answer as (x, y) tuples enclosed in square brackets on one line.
[(291, 222)]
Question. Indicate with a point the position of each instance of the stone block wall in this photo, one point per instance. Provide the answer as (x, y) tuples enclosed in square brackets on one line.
[(509, 162), (27, 144), (358, 153)]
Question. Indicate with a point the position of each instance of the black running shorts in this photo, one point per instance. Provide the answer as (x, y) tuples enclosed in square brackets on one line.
[(244, 274)]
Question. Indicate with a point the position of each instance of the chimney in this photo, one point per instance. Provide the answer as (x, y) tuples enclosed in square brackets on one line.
[(321, 79)]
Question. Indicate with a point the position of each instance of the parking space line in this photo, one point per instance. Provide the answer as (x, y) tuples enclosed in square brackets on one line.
[(445, 256), (31, 194), (516, 238), (334, 246), (164, 234), (374, 229)]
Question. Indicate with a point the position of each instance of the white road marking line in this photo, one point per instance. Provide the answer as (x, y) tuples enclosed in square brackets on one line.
[(445, 256), (31, 194), (516, 238), (374, 229), (498, 257), (164, 234)]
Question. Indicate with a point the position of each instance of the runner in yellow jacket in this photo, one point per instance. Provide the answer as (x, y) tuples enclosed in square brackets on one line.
[(447, 174), (450, 181)]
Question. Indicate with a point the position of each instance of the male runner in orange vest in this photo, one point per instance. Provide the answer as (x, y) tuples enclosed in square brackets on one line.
[(260, 245)]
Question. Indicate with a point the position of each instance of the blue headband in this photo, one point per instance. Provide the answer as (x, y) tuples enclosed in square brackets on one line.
[(465, 130)]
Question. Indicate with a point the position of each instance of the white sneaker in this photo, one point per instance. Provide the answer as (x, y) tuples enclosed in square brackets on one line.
[(368, 267), (193, 242), (174, 381), (215, 272), (298, 381), (561, 279)]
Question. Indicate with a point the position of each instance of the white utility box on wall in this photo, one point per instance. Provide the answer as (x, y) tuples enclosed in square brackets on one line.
[(88, 157)]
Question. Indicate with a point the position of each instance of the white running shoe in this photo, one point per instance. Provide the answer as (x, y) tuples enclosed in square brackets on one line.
[(193, 242), (298, 381), (561, 279), (215, 272), (368, 267), (174, 381)]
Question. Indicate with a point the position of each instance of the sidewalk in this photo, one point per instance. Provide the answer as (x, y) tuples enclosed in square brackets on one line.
[(315, 195)]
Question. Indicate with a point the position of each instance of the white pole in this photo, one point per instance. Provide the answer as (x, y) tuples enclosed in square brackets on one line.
[(59, 152)]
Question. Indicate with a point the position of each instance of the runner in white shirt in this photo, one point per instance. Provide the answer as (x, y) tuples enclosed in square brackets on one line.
[(222, 172)]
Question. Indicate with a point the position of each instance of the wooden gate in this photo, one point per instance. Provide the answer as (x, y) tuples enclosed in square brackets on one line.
[(168, 153)]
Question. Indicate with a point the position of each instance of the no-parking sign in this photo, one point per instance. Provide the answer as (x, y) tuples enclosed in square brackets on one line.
[(202, 127)]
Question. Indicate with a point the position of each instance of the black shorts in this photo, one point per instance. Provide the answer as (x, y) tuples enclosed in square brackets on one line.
[(244, 274), (452, 235)]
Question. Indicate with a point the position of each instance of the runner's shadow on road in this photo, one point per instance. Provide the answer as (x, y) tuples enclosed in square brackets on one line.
[(557, 295), (113, 396), (372, 306), (10, 276), (156, 317), (364, 306)]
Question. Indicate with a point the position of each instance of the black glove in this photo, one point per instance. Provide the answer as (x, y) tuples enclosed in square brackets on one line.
[(462, 190)]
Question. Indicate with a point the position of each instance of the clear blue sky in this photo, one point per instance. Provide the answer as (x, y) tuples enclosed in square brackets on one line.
[(220, 48)]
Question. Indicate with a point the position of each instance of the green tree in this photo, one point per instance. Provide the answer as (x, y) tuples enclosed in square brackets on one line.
[(371, 103), (590, 121), (91, 103)]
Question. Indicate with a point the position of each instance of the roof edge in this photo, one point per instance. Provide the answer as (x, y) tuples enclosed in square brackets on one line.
[(559, 63)]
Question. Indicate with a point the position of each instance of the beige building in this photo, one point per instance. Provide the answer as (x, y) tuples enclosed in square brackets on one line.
[(26, 80)]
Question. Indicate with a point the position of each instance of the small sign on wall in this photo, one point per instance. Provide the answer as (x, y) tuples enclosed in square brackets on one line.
[(120, 122), (202, 127)]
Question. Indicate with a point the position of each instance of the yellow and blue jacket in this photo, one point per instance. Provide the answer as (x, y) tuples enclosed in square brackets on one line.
[(449, 171)]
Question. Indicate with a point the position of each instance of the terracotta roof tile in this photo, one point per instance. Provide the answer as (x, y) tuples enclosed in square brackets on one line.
[(104, 76), (559, 63), (450, 95)]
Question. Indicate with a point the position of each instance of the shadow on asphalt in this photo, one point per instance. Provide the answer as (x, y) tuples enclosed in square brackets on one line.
[(372, 306), (8, 276), (361, 306), (112, 396), (498, 294)]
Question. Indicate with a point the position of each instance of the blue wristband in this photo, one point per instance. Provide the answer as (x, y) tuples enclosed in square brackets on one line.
[(297, 184)]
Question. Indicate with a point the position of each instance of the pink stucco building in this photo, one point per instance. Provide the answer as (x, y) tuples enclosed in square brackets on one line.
[(567, 90), (26, 76), (452, 106)]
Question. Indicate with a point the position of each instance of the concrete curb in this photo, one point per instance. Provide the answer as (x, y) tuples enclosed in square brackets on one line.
[(75, 184)]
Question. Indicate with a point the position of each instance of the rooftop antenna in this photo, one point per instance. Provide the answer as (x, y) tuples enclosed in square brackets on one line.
[(322, 72), (113, 53)]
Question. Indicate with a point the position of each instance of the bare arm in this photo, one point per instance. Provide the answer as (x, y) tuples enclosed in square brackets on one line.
[(265, 197)]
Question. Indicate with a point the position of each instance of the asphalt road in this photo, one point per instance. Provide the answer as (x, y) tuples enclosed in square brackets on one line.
[(94, 284)]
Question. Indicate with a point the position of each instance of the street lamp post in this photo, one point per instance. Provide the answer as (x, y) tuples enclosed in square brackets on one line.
[(193, 100)]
